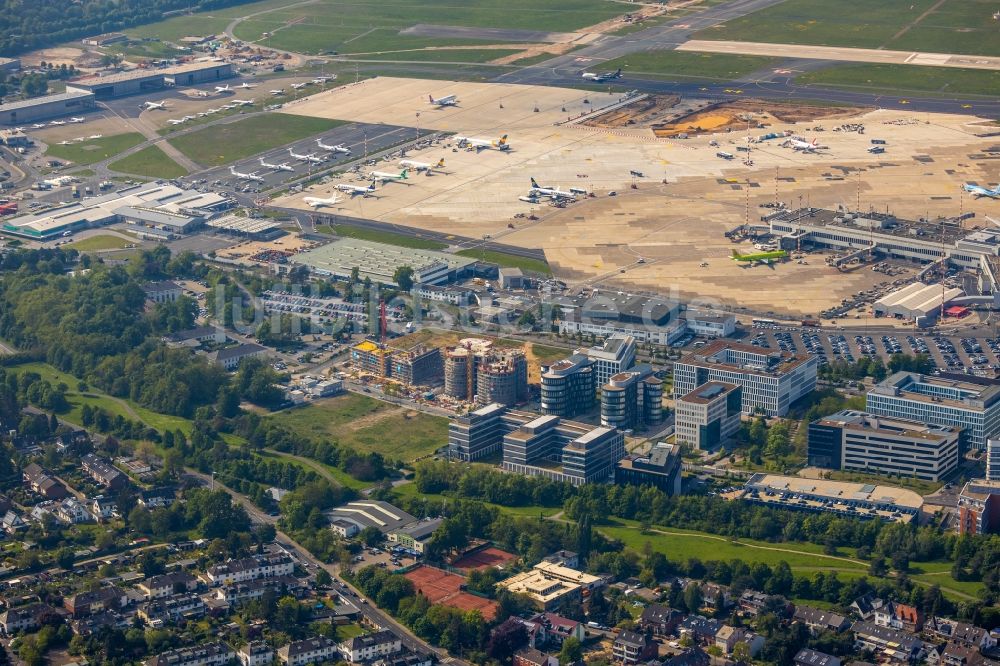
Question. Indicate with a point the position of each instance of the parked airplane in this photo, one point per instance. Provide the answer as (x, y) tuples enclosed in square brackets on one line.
[(20, 130), (246, 176), (447, 100), (980, 191), (247, 85), (149, 106), (323, 79), (480, 144), (223, 89), (38, 125), (338, 148), (176, 121), (355, 190), (766, 257), (422, 166), (278, 91), (57, 122), (243, 102), (804, 146), (603, 76), (551, 192), (319, 202), (311, 157), (96, 136), (383, 177), (76, 119), (284, 166), (300, 86)]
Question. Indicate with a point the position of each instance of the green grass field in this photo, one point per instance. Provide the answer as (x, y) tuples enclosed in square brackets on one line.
[(388, 237), (222, 144), (907, 78), (671, 64), (102, 242), (957, 26), (95, 150), (151, 162), (442, 55), (368, 424), (511, 260), (173, 29)]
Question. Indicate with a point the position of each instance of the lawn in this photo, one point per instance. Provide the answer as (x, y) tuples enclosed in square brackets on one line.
[(510, 260), (173, 29), (545, 354), (151, 162), (379, 236), (95, 150), (906, 78), (222, 144), (442, 55), (101, 242), (957, 26), (669, 64), (407, 490), (340, 476), (367, 424)]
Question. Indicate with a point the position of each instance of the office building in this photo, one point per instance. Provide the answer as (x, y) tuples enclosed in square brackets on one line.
[(850, 500), (568, 386), (708, 416), (632, 399), (708, 323), (661, 468), (562, 451), (993, 459), (616, 354), (478, 434), (961, 401), (862, 442), (979, 507), (770, 381)]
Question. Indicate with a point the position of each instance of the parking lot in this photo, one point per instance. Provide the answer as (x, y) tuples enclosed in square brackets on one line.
[(977, 356)]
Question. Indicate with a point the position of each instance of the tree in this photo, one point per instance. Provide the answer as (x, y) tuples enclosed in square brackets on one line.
[(323, 578), (507, 639), (371, 536), (571, 652), (403, 276), (693, 598)]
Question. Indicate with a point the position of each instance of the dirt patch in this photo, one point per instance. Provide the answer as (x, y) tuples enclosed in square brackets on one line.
[(377, 417), (791, 112), (749, 113), (642, 113)]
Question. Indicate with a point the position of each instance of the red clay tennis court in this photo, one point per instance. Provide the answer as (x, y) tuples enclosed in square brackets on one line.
[(441, 587), (484, 558)]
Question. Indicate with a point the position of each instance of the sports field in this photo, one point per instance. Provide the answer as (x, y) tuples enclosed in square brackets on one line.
[(222, 144), (95, 150), (672, 64), (365, 424), (948, 26), (441, 587), (151, 162)]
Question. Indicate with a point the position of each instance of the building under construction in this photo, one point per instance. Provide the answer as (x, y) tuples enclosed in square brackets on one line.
[(474, 370), (419, 366), (371, 357)]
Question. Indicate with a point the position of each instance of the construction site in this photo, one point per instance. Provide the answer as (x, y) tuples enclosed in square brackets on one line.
[(657, 210)]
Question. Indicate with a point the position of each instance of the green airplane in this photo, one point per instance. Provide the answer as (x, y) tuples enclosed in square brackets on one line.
[(760, 256)]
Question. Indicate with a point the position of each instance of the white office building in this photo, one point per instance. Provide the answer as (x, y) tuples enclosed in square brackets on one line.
[(708, 416), (963, 401), (770, 381), (616, 354)]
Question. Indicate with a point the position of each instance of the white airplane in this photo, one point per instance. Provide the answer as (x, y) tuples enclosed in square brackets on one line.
[(149, 106), (300, 86), (447, 100), (305, 158), (383, 177), (202, 93), (76, 119), (188, 118), (278, 91), (323, 79), (355, 190), (38, 125), (58, 122), (284, 166), (212, 111), (980, 191), (20, 130), (480, 144), (242, 102), (551, 192), (223, 89), (96, 136), (603, 76), (339, 148), (319, 202), (804, 146), (64, 142), (247, 85), (176, 121), (422, 166), (202, 114), (246, 176)]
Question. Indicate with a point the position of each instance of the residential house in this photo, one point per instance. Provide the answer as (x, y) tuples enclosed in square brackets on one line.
[(89, 603), (255, 589), (172, 609), (631, 647), (97, 622), (309, 651), (962, 633), (256, 653), (194, 337), (24, 618), (556, 628), (564, 558), (865, 606), (216, 653), (899, 616), (103, 508), (162, 292), (751, 602), (231, 572), (807, 657), (103, 472), (12, 522), (897, 646), (531, 657), (820, 620), (694, 656), (166, 585), (71, 512), (43, 484), (715, 597), (727, 638), (956, 654), (660, 620), (370, 646), (157, 498), (406, 659), (231, 357), (701, 629)]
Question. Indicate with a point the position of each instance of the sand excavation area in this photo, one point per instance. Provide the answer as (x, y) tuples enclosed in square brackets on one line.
[(666, 233)]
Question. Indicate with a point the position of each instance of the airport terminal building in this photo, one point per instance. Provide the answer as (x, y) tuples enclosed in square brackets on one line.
[(48, 106)]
